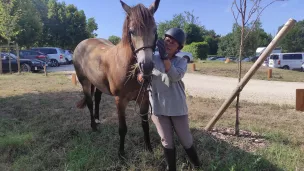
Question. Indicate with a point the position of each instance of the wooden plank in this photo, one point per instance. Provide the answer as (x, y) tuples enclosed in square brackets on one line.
[(300, 99)]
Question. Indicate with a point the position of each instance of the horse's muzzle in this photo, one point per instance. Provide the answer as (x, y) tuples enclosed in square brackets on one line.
[(146, 68)]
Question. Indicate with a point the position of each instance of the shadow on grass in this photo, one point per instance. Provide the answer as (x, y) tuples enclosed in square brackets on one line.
[(57, 136)]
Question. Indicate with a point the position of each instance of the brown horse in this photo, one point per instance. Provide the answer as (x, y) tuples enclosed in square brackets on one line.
[(102, 67)]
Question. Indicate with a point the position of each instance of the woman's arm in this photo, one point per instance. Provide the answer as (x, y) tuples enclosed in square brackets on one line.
[(177, 72)]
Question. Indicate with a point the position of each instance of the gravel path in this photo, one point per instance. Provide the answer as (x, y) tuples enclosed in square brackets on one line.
[(257, 91)]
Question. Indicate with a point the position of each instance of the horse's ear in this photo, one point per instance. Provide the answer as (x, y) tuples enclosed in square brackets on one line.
[(125, 7), (153, 7)]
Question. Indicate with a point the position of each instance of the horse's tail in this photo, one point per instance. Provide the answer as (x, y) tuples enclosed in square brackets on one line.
[(81, 103)]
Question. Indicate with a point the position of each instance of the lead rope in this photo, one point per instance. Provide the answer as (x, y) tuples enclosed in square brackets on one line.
[(144, 85)]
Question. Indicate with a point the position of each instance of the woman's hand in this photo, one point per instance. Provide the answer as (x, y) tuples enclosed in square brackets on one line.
[(140, 78), (162, 49)]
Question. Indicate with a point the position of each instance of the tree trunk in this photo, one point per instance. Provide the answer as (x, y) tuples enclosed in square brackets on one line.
[(237, 119), (0, 62), (18, 58), (9, 58)]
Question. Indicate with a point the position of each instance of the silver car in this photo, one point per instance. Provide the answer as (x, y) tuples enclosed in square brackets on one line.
[(56, 55)]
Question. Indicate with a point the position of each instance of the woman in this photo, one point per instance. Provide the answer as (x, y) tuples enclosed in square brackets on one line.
[(168, 97)]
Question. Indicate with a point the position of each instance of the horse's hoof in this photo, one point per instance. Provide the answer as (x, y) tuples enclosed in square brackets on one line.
[(97, 121), (148, 148), (121, 155), (94, 128)]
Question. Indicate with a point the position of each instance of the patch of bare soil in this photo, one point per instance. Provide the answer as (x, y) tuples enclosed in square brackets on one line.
[(246, 140)]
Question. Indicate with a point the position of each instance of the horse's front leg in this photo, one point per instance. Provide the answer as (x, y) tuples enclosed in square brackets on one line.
[(97, 96), (121, 104), (144, 110)]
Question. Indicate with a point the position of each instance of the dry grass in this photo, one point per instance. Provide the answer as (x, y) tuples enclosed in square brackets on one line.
[(40, 129), (219, 68)]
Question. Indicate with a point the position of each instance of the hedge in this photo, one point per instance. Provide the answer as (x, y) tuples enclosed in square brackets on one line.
[(199, 50)]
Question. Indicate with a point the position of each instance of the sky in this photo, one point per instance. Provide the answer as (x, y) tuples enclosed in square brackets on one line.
[(213, 14)]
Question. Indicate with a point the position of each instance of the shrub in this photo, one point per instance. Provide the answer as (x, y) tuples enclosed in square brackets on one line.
[(199, 50)]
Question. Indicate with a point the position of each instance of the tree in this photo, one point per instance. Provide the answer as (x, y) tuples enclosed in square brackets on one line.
[(294, 39), (229, 45), (91, 27), (246, 17), (9, 17), (29, 24), (114, 39), (195, 32)]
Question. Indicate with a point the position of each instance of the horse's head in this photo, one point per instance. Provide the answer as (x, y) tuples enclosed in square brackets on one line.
[(140, 33)]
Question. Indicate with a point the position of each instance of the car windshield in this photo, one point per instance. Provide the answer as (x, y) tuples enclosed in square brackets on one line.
[(274, 57), (61, 51)]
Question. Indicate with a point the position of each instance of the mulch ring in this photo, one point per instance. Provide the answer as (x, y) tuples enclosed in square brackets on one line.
[(246, 140)]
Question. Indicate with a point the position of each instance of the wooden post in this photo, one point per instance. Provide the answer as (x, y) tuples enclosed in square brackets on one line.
[(74, 81), (18, 58), (0, 61), (288, 25), (300, 100), (9, 58), (44, 68), (269, 73), (193, 67)]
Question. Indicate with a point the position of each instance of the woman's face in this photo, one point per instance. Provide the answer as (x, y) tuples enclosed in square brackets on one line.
[(171, 46)]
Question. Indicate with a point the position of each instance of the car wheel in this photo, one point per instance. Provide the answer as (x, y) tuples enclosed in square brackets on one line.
[(25, 68), (54, 63), (286, 67), (188, 59), (67, 61)]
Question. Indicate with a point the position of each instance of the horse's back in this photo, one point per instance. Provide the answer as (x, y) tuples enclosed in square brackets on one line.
[(89, 61)]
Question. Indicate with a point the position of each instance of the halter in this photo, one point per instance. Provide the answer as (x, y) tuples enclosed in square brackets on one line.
[(135, 51)]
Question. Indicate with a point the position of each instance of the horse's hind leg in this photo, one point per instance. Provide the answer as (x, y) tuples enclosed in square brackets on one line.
[(121, 104), (97, 96), (87, 90), (144, 109)]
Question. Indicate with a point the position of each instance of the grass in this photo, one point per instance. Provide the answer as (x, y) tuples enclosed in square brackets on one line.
[(219, 68), (41, 129)]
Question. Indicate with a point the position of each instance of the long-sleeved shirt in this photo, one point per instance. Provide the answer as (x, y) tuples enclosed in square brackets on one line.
[(168, 95)]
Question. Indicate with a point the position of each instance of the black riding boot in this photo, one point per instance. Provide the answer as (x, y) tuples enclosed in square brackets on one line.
[(192, 155), (170, 156)]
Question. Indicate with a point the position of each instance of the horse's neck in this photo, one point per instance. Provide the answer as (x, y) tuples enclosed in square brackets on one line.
[(124, 61)]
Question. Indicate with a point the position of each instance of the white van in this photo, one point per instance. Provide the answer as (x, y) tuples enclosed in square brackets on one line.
[(286, 60)]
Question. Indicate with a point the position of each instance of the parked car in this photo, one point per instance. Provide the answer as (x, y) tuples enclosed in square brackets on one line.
[(68, 56), (30, 54), (292, 61), (56, 55), (302, 67), (26, 65), (186, 55)]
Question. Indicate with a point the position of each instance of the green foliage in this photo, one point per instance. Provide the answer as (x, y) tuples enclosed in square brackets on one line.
[(44, 23), (199, 50), (9, 16), (30, 24), (229, 45), (294, 39), (195, 32), (114, 39)]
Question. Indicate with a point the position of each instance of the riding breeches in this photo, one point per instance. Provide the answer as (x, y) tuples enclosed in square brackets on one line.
[(166, 125)]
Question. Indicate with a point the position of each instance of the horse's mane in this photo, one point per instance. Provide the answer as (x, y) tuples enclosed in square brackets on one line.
[(142, 19)]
